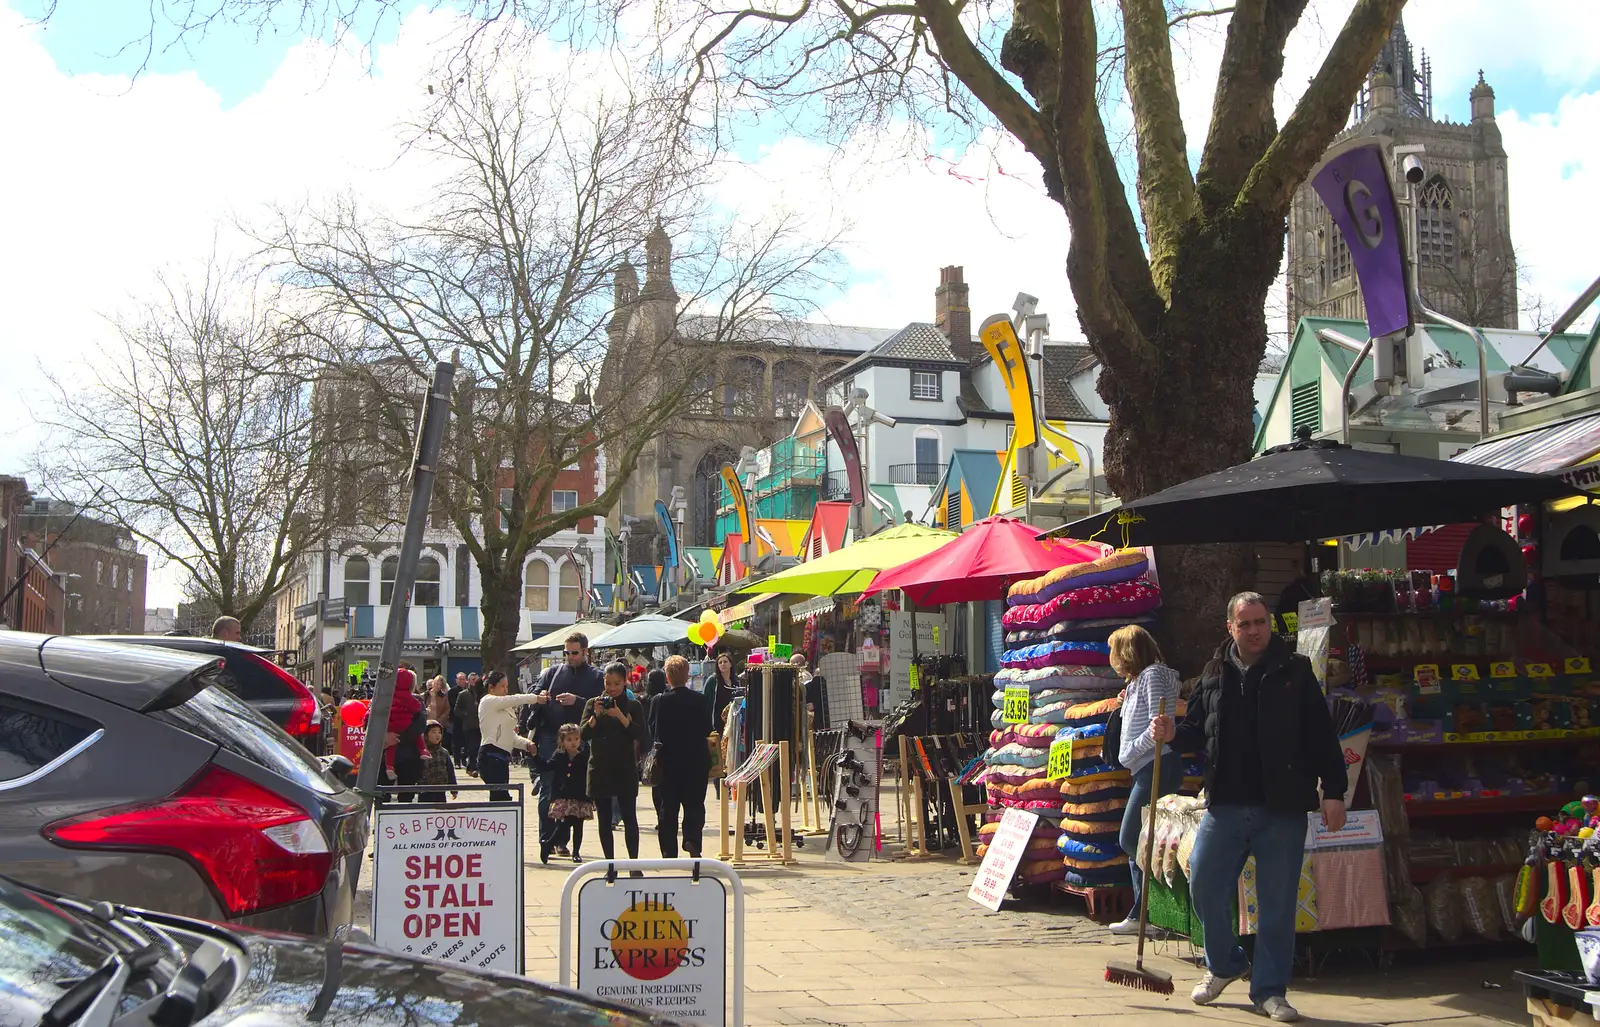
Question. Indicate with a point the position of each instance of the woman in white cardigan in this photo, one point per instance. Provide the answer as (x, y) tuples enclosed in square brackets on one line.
[(1137, 660)]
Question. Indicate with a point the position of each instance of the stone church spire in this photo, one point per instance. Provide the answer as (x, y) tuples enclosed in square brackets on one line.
[(658, 265)]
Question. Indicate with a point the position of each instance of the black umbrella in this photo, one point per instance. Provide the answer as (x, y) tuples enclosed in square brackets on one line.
[(1312, 490)]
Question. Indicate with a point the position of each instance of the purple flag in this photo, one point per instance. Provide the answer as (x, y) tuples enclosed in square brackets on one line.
[(1355, 188)]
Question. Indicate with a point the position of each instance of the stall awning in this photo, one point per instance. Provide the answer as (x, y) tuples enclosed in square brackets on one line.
[(812, 608), (745, 610), (1547, 449)]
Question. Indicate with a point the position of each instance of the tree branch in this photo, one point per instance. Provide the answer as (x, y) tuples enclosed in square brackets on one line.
[(1166, 188), (1323, 108), (1242, 120)]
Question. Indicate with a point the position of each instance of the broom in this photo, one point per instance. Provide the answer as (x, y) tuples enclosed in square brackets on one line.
[(1136, 976)]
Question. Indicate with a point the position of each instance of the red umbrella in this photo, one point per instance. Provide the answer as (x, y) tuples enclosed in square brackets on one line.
[(979, 564)]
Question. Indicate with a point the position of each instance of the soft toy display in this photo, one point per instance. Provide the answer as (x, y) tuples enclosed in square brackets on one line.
[(706, 630)]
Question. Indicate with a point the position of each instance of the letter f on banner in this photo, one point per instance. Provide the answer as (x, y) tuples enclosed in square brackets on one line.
[(1000, 341)]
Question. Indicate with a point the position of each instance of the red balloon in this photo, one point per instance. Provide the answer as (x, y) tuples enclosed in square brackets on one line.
[(354, 712), (1525, 525)]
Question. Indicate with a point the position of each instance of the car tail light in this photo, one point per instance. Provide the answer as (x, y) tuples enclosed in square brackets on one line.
[(257, 848), (304, 719)]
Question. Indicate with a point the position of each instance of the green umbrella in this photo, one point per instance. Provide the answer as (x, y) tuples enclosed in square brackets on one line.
[(852, 568)]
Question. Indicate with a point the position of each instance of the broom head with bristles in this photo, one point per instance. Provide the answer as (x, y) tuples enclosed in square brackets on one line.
[(1130, 975)]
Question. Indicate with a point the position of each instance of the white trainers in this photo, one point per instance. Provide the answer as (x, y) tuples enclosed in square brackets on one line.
[(1128, 926), (1210, 987), (1278, 1009)]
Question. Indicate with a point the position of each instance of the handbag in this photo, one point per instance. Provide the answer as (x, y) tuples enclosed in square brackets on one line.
[(1113, 735), (714, 744), (650, 766)]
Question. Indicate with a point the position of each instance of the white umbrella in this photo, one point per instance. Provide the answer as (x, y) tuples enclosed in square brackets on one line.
[(645, 629), (555, 639)]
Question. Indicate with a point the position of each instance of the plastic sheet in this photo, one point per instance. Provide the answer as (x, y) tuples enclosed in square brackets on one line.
[(1444, 900), (1481, 907)]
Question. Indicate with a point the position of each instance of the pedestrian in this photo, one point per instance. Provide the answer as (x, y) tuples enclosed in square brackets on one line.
[(655, 686), (564, 689), (497, 722), (613, 725), (1137, 660), (227, 629), (564, 778), (1260, 714), (720, 687), (466, 710), (457, 686), (404, 748), (681, 727), (438, 703), (438, 770)]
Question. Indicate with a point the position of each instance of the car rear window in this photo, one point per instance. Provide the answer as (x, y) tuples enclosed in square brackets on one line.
[(219, 717), (245, 677), (30, 739)]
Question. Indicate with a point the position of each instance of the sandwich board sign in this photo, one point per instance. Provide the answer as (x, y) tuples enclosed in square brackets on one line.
[(657, 943), (1000, 862)]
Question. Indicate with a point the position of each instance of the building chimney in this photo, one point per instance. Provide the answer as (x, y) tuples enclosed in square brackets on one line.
[(951, 313)]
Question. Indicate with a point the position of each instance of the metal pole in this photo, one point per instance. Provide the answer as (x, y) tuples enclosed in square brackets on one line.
[(424, 468), (1570, 315), (1344, 392), (1483, 362)]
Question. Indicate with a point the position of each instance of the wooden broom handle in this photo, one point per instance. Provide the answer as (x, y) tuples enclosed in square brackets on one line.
[(1150, 841)]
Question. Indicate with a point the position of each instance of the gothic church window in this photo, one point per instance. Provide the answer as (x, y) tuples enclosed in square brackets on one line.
[(1436, 230)]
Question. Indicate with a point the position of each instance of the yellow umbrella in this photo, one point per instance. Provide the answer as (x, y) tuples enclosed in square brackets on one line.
[(852, 568)]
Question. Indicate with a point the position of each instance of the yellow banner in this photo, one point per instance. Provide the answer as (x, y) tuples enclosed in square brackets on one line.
[(731, 478), (1000, 340)]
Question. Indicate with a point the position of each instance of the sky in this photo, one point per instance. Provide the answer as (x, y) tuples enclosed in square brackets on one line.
[(111, 179)]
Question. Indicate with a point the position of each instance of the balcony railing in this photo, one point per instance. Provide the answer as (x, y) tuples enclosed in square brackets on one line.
[(836, 486), (914, 474)]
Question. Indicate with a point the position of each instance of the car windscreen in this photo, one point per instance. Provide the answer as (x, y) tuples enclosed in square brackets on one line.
[(220, 717), (42, 950)]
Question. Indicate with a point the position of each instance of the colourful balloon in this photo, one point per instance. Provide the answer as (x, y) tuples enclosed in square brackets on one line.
[(353, 712)]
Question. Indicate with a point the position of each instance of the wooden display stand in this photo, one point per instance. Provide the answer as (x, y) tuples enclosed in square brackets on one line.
[(963, 810), (758, 769), (913, 809)]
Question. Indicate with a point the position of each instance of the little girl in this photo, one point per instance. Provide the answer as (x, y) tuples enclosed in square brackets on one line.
[(569, 797)]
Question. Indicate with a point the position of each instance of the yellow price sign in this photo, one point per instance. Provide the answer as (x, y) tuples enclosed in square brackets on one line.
[(1503, 669), (1577, 665), (1060, 765), (1291, 623), (1015, 710), (916, 678), (1464, 672), (1540, 671)]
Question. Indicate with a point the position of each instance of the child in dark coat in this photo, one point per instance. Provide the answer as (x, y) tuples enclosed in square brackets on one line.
[(569, 795)]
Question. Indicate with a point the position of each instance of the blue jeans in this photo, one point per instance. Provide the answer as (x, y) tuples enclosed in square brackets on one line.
[(1227, 835), (1138, 799)]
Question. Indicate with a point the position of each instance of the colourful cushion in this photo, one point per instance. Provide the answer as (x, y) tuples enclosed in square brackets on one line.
[(1123, 565), (1097, 630), (1130, 598), (1094, 828), (1106, 809), (1053, 654), (1089, 853), (1097, 877)]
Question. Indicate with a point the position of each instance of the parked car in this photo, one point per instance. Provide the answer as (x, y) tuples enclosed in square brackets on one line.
[(128, 773), (67, 961), (285, 700)]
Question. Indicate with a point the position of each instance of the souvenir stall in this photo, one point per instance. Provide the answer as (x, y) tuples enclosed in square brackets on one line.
[(1446, 673), (1053, 695)]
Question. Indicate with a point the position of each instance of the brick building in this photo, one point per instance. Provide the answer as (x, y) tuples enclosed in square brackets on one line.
[(103, 571), (40, 597)]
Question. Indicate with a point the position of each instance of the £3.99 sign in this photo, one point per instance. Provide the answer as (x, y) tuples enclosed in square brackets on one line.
[(447, 884)]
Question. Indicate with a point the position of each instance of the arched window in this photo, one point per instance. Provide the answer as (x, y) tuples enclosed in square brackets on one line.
[(1436, 226), (571, 586), (789, 386), (426, 590), (386, 573), (707, 487), (357, 581), (741, 393), (536, 585), (820, 391)]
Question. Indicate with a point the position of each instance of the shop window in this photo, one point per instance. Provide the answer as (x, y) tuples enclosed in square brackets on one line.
[(386, 573), (426, 590), (571, 586)]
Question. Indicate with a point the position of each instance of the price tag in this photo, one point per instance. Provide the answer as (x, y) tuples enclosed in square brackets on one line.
[(1060, 765), (936, 635), (1503, 669), (1577, 665), (1016, 706), (1427, 675), (1291, 623), (1464, 672), (772, 642), (916, 678), (1540, 671)]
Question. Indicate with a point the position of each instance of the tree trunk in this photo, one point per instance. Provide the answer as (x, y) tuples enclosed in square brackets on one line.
[(501, 607), (1189, 413)]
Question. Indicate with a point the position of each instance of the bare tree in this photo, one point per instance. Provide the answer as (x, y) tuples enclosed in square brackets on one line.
[(513, 274), (194, 435)]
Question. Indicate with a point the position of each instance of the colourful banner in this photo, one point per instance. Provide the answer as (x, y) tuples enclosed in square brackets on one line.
[(1000, 340), (1354, 186), (670, 531), (730, 477), (839, 430)]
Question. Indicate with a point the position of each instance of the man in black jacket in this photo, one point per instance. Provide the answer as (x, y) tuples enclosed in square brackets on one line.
[(1260, 714), (565, 688), (680, 724)]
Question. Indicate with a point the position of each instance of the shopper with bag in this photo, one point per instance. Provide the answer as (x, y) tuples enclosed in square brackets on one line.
[(1260, 714), (680, 725), (1152, 685), (613, 725)]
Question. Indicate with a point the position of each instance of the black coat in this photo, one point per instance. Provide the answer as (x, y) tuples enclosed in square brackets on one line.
[(543, 722), (614, 750), (680, 722), (1296, 741), (569, 775)]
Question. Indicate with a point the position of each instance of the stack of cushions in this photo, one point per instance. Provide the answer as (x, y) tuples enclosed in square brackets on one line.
[(1055, 646)]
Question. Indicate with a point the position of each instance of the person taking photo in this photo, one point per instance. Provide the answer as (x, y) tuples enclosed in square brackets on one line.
[(613, 725)]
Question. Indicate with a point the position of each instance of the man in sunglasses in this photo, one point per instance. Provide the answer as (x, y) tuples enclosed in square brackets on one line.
[(560, 693)]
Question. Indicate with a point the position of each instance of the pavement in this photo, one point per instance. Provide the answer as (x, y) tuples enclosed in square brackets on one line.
[(897, 941)]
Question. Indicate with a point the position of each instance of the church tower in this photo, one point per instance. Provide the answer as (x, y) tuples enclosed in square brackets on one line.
[(1468, 269)]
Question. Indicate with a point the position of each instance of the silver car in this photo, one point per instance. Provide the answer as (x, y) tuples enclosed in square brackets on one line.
[(128, 774)]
